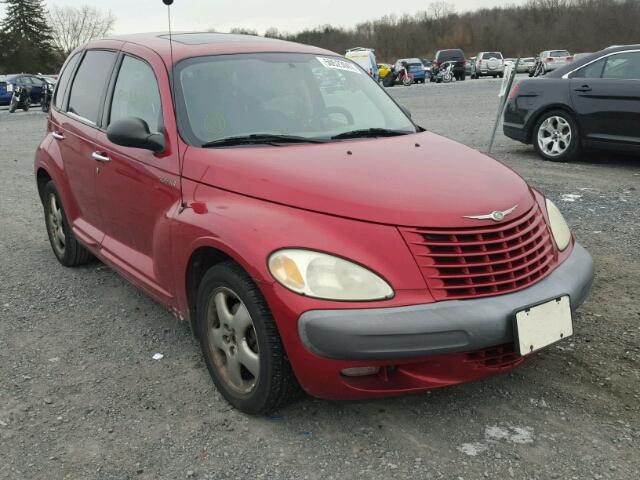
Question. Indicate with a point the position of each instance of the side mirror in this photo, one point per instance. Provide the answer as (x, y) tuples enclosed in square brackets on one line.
[(405, 110), (134, 132)]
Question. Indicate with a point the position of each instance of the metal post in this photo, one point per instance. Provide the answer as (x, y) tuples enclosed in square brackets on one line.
[(503, 103)]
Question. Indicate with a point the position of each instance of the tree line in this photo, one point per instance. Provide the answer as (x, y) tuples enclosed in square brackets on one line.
[(526, 30), (34, 40)]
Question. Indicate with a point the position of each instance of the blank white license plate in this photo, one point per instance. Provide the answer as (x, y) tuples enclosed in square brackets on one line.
[(540, 326)]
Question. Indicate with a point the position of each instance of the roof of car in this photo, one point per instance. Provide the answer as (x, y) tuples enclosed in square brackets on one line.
[(191, 44), (559, 72)]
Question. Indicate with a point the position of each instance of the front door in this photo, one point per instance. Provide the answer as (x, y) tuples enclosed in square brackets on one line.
[(138, 190)]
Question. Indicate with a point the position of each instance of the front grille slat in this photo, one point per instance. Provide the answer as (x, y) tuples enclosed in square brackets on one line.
[(482, 261)]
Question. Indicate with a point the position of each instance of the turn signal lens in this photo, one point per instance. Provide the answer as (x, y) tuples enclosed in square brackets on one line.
[(319, 275), (559, 227)]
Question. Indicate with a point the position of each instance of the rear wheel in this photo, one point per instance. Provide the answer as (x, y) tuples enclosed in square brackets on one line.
[(26, 105), (240, 342), (556, 137), (64, 244)]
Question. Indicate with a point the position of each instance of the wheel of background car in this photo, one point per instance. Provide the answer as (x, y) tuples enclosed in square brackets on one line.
[(463, 76), (556, 137), (240, 342), (64, 244), (26, 105)]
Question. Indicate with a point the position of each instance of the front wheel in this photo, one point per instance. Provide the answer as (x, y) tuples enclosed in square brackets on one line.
[(556, 137), (240, 342), (13, 105)]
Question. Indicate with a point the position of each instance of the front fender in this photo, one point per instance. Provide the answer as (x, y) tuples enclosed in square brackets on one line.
[(248, 230)]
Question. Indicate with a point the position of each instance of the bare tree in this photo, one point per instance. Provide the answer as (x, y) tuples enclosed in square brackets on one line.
[(74, 26)]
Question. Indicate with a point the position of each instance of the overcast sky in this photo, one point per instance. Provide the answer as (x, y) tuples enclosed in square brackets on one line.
[(286, 15)]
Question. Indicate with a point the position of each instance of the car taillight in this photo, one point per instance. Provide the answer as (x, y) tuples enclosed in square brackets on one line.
[(569, 59), (514, 91), (549, 59)]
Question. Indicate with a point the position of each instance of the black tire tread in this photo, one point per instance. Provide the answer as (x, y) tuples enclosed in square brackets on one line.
[(284, 386), (75, 253)]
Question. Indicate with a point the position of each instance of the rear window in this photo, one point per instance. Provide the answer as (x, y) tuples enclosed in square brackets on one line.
[(90, 81), (447, 55), (58, 95), (559, 53), (488, 55)]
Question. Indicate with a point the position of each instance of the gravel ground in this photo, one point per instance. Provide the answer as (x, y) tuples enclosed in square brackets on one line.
[(82, 398)]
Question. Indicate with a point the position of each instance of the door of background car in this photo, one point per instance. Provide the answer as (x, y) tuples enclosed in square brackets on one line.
[(137, 189), (36, 88), (74, 127), (606, 96)]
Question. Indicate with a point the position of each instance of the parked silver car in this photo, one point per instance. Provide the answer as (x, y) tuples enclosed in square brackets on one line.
[(552, 59), (488, 64)]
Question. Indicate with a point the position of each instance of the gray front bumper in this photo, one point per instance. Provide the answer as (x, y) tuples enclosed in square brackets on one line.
[(442, 327)]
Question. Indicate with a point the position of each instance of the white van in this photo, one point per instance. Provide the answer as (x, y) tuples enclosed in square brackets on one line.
[(366, 58)]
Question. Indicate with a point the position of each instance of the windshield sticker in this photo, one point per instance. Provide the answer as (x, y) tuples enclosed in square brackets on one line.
[(337, 64)]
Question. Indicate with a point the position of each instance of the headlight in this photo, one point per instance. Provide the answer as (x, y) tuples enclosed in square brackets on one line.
[(559, 227), (324, 276)]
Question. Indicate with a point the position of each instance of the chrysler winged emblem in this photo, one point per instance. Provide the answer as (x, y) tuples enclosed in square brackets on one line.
[(496, 216)]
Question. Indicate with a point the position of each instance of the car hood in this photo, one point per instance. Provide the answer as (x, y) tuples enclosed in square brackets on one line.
[(412, 180)]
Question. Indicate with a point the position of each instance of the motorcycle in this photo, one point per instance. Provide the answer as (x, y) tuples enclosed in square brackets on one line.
[(21, 98), (445, 74), (47, 94), (405, 77), (538, 69)]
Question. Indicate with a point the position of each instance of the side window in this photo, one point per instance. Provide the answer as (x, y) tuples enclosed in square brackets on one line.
[(623, 66), (593, 70), (63, 81), (90, 81), (136, 94)]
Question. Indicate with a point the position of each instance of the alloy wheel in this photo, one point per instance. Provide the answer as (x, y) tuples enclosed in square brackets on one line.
[(55, 222), (554, 136), (233, 341)]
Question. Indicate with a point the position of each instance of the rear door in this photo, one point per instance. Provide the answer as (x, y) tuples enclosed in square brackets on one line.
[(606, 96), (138, 190), (74, 129)]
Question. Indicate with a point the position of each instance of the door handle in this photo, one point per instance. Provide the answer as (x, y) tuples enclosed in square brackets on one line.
[(57, 135), (584, 88), (100, 158)]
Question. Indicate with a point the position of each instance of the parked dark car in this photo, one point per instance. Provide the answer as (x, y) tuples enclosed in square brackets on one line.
[(455, 55), (592, 103), (32, 83)]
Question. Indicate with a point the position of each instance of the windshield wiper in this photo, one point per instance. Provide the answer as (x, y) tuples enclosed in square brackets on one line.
[(260, 139), (371, 133)]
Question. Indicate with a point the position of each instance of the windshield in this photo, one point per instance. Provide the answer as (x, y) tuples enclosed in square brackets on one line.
[(301, 95)]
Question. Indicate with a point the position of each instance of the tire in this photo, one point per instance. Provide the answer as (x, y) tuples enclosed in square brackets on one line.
[(13, 105), (554, 125), (26, 105), (228, 289), (501, 75), (64, 244), (463, 77), (432, 79)]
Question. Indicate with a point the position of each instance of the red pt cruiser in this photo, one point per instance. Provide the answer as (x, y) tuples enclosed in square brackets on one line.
[(274, 196)]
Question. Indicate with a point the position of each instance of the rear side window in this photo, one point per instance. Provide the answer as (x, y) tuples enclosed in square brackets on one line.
[(63, 81), (90, 81), (593, 70), (623, 66), (136, 94)]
